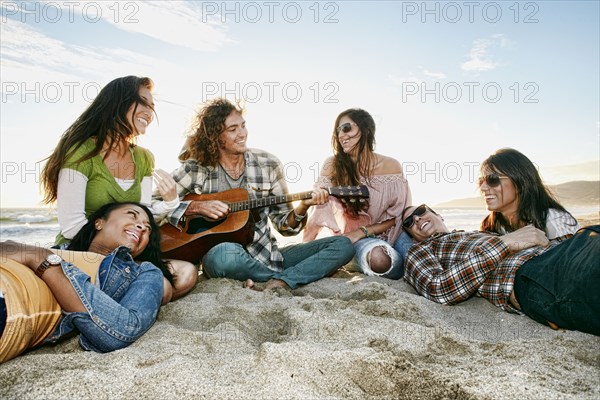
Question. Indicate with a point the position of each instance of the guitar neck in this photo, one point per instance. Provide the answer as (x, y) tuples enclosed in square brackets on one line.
[(268, 201)]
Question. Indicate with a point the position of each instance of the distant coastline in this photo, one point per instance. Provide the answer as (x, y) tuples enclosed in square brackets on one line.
[(581, 198), (572, 194)]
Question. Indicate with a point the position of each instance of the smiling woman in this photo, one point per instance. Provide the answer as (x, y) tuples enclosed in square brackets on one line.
[(111, 294), (515, 196), (373, 227), (97, 162)]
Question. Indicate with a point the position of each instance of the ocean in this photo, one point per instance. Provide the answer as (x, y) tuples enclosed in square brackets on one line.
[(29, 225), (40, 225)]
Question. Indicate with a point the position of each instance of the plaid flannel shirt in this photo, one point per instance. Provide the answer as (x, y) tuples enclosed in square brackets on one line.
[(450, 268), (264, 175)]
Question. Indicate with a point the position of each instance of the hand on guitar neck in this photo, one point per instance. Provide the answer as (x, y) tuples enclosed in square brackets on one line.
[(225, 217), (213, 210), (318, 196)]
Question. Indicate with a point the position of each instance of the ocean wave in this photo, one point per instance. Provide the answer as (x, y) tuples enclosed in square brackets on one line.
[(33, 219), (28, 215), (11, 230), (35, 234)]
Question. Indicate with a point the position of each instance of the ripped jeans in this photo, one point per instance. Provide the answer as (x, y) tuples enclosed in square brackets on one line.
[(397, 254)]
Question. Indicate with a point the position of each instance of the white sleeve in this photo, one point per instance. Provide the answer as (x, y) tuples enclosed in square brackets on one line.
[(159, 208), (146, 191), (560, 223), (71, 201)]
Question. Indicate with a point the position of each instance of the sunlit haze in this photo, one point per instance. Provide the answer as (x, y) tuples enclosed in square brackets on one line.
[(448, 83)]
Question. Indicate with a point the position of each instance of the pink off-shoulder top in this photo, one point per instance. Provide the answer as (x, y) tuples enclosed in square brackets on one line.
[(388, 196)]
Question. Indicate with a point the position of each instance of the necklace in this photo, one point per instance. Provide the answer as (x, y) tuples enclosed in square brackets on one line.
[(227, 182)]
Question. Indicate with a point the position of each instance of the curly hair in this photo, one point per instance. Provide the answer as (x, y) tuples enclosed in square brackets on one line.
[(534, 198), (203, 143), (83, 239), (105, 119), (346, 171)]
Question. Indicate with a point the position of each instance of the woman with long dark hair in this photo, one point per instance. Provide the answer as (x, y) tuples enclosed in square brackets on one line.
[(97, 162), (111, 293), (374, 226), (516, 196)]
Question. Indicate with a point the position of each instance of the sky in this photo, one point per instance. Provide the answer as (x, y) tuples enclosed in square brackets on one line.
[(447, 83)]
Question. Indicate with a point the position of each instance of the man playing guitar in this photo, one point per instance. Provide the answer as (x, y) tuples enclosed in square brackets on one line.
[(216, 159)]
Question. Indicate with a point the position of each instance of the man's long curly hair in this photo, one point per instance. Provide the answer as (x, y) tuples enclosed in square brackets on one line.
[(203, 143)]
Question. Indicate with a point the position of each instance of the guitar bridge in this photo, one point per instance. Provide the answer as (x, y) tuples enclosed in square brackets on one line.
[(181, 223)]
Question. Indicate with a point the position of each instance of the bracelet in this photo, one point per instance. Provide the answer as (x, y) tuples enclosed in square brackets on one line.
[(299, 218), (366, 232)]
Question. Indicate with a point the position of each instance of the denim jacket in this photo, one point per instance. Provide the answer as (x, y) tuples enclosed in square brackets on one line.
[(121, 306)]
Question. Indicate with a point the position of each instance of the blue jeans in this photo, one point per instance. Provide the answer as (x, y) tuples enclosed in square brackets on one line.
[(562, 284), (302, 263), (121, 306), (397, 254)]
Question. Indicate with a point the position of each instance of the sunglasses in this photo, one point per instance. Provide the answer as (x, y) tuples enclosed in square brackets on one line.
[(418, 212), (492, 180), (345, 128)]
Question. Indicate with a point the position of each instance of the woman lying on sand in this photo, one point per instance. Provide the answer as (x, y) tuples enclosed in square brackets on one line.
[(111, 294), (516, 197)]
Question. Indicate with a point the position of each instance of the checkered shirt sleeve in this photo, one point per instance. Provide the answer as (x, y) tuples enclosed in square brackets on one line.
[(450, 268), (500, 282), (264, 174), (189, 178)]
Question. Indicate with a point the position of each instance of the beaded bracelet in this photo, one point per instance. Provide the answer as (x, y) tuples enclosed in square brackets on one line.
[(366, 232)]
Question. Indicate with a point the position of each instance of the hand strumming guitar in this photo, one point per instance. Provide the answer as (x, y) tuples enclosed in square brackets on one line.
[(209, 209)]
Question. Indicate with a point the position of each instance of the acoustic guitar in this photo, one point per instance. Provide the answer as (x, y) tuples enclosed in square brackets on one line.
[(195, 235)]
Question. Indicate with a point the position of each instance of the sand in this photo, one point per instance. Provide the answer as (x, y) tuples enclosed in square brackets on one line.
[(349, 336)]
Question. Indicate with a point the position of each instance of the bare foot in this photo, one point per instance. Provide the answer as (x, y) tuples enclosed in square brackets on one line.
[(270, 285), (553, 325), (276, 283), (249, 284)]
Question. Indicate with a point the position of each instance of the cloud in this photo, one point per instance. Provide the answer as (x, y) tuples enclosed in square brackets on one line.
[(25, 49), (502, 40), (434, 75), (480, 57), (418, 78), (180, 23), (400, 81), (22, 43)]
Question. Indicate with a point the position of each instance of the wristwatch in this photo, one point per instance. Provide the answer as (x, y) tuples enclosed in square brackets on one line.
[(52, 260)]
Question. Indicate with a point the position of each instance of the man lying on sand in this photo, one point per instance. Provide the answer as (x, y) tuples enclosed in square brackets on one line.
[(520, 272)]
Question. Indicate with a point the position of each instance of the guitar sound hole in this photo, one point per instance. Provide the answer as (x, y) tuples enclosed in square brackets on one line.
[(198, 225)]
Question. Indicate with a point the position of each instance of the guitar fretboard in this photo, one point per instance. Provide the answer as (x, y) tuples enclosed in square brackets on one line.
[(268, 201)]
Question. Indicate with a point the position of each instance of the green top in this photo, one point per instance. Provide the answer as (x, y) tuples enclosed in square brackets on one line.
[(102, 188)]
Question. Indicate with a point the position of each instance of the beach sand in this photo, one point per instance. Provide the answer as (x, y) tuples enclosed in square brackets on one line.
[(342, 337), (349, 336)]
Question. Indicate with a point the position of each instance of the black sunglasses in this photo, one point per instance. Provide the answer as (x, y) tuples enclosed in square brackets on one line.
[(492, 180), (418, 212), (345, 128)]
